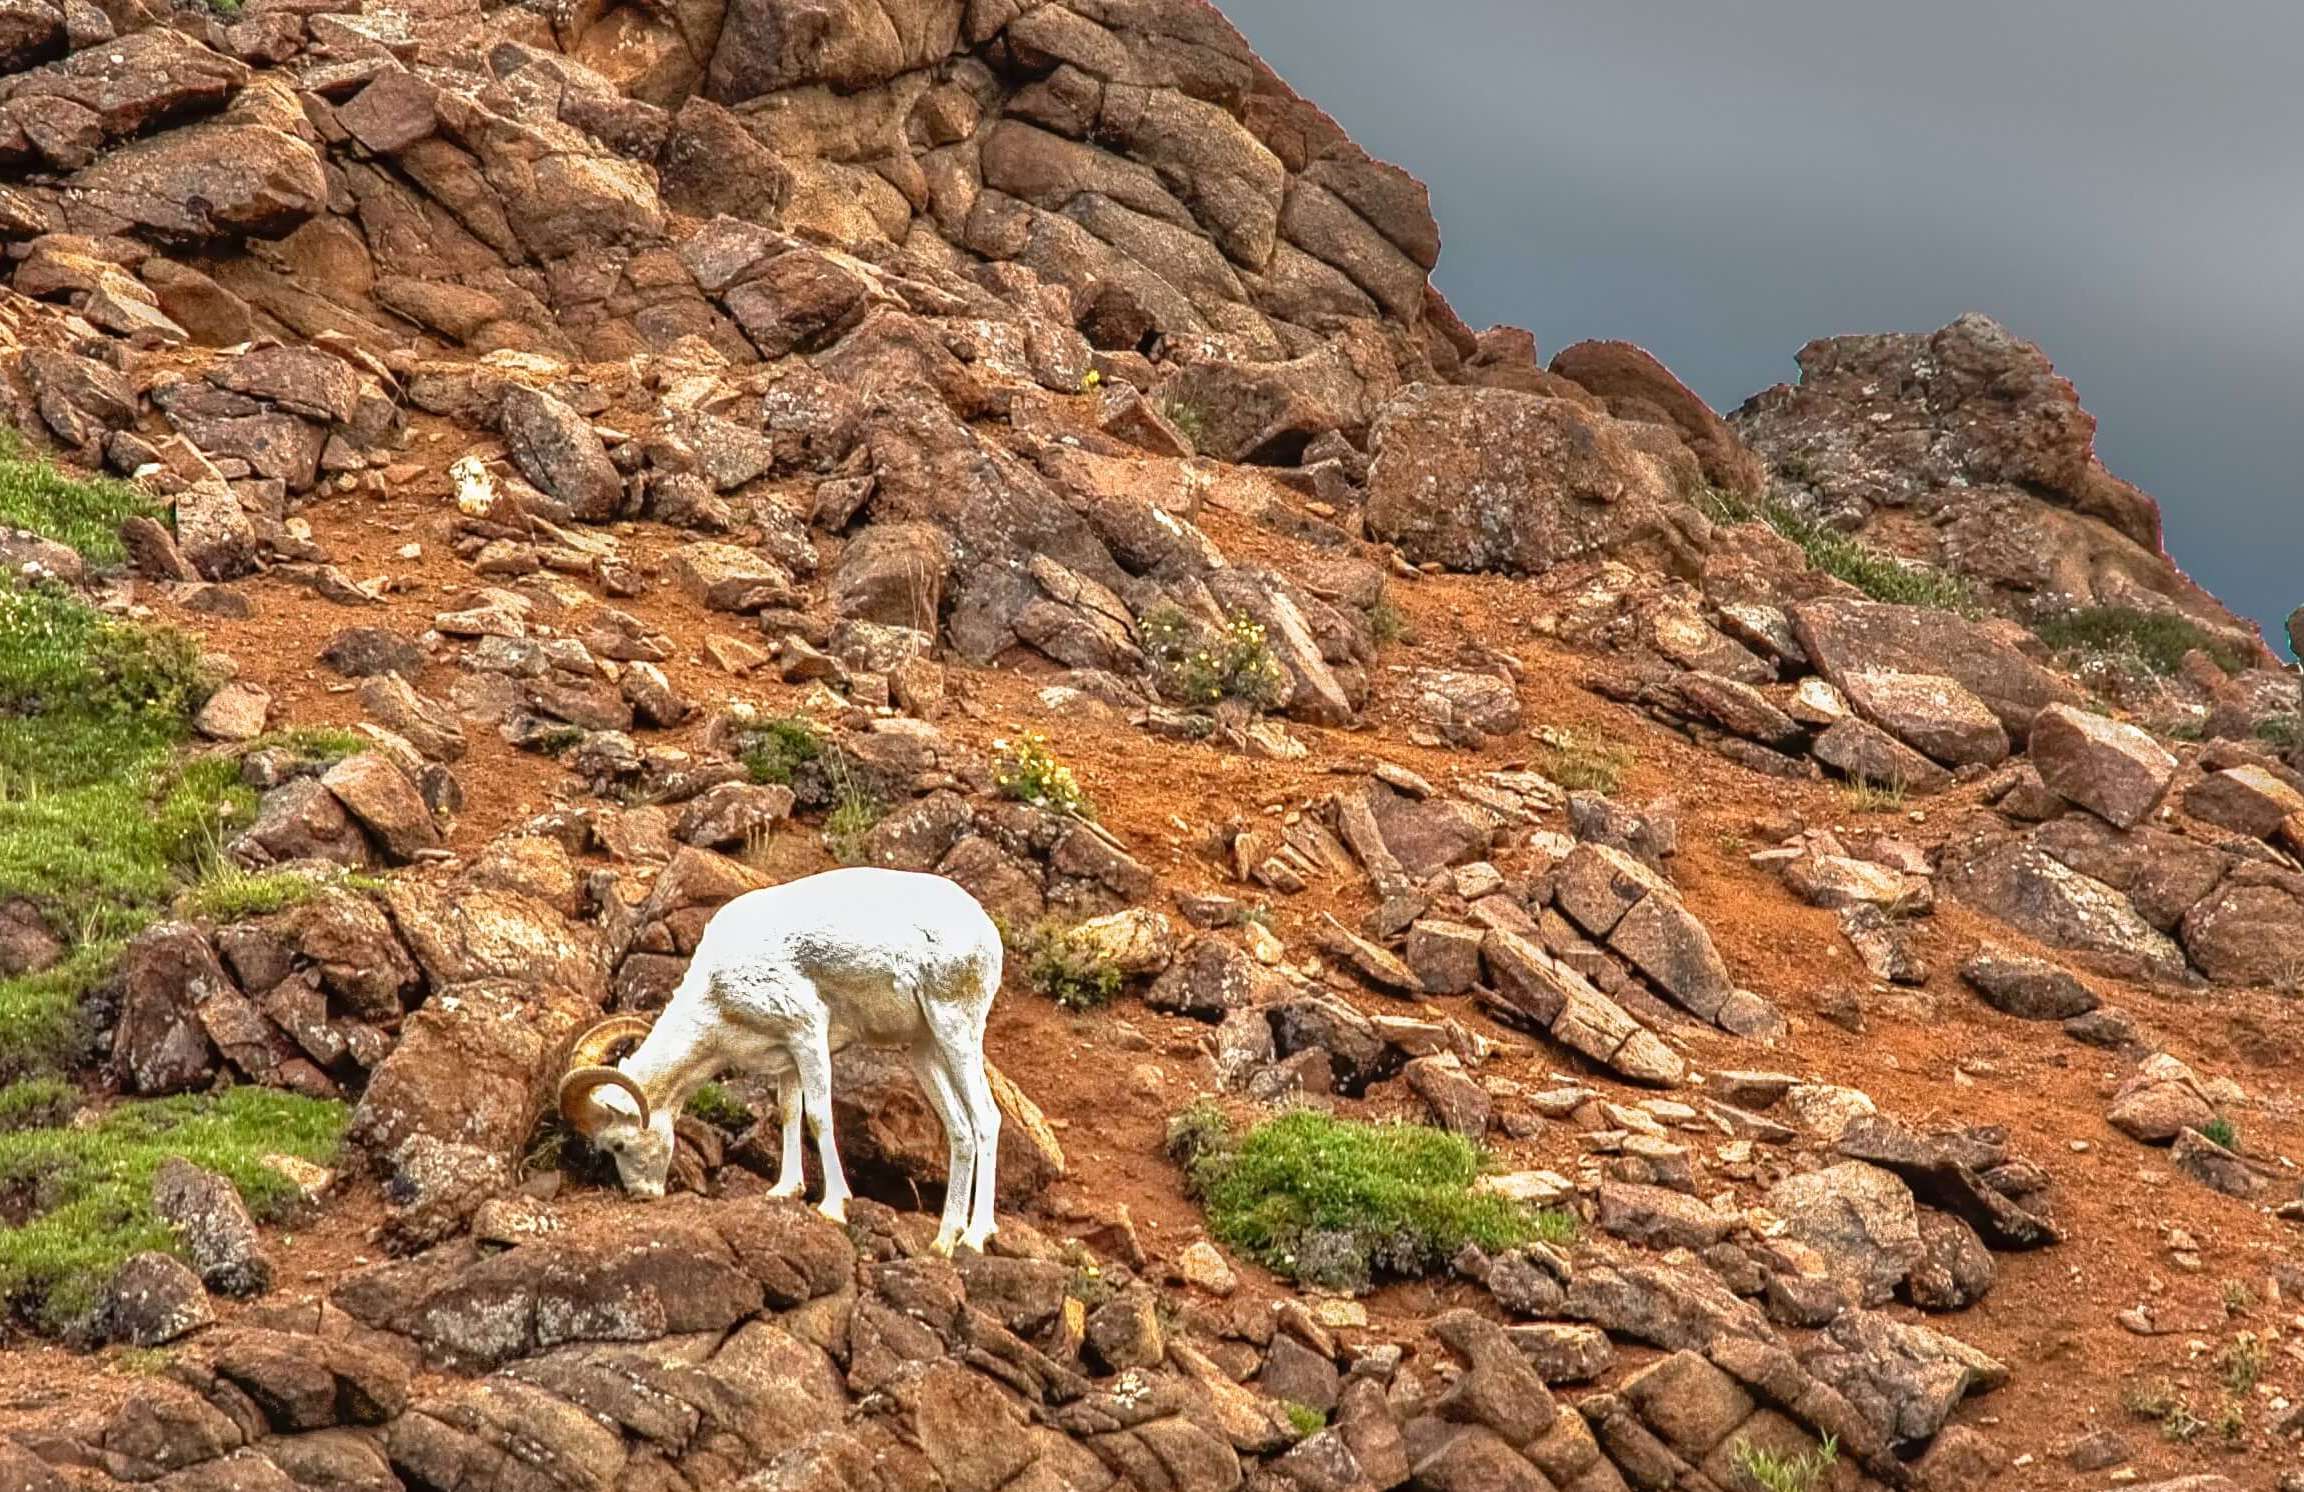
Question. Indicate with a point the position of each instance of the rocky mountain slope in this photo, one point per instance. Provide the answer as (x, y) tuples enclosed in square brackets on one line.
[(1842, 874)]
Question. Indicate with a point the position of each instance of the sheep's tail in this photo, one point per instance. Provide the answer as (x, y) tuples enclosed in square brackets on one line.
[(1025, 1115)]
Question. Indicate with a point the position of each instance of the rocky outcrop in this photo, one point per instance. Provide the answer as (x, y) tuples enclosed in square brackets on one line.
[(1971, 431), (743, 1338)]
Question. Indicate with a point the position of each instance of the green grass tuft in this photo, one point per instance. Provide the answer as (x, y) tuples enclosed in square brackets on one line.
[(715, 1105), (1583, 763), (1780, 1472), (1557, 1226), (85, 697), (1303, 1418), (2151, 640), (84, 512), (314, 743), (36, 1103), (2223, 1133), (227, 893), (1190, 420), (90, 1189), (1066, 970), (106, 857), (2284, 732), (1336, 1203), (1873, 797)]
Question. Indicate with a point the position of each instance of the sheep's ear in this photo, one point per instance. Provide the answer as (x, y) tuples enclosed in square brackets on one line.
[(576, 1090)]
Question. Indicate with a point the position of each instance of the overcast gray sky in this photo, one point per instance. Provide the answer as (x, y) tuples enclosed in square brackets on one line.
[(2120, 181)]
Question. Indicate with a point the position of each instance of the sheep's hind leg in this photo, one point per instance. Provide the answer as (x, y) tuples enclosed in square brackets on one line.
[(960, 1135), (984, 1117), (812, 1057), (791, 1173)]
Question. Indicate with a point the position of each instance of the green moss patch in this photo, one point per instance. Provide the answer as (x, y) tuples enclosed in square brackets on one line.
[(84, 1195), (84, 512)]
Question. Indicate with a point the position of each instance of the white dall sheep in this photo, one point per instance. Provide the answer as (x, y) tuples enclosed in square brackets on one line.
[(781, 980)]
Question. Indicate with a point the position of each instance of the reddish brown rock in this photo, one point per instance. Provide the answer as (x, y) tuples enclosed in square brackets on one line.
[(1932, 714), (1635, 386), (2113, 770), (1846, 638), (2248, 800)]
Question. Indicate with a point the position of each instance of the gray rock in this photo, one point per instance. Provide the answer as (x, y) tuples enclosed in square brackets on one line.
[(1955, 1269), (2213, 1166), (1905, 1379), (213, 1222), (1660, 1218), (1932, 714), (152, 1300), (557, 449)]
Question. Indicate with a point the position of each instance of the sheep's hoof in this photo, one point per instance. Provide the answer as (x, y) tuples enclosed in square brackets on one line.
[(785, 1189), (942, 1247), (835, 1208), (975, 1241)]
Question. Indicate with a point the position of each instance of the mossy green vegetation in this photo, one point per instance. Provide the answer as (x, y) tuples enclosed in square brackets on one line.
[(2151, 640), (1338, 1204), (100, 816), (85, 697), (1883, 577), (41, 1020), (1584, 763), (774, 751), (84, 512), (227, 893), (717, 1106), (106, 857), (89, 1189), (1067, 969), (1028, 771)]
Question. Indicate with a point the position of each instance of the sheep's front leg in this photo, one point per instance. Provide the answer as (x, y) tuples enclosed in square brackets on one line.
[(812, 1056), (791, 1175)]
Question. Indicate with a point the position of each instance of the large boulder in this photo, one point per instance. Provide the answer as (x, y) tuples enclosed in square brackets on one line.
[(2250, 929), (1846, 639), (558, 450), (1269, 412), (1930, 713), (2246, 799), (1493, 479)]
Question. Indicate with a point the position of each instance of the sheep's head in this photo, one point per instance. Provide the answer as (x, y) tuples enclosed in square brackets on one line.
[(608, 1109)]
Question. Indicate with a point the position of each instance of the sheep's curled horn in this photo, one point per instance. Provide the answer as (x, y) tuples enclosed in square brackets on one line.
[(588, 1070)]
